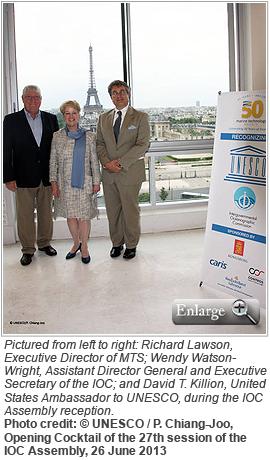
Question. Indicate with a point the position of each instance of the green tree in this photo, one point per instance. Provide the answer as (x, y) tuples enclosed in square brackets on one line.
[(163, 194), (144, 197), (184, 120), (61, 121), (192, 132), (205, 132)]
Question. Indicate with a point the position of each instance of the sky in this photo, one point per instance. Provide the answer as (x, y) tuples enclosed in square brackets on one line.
[(179, 51)]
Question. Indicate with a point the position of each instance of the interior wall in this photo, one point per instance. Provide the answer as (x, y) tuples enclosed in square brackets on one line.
[(258, 45), (152, 221)]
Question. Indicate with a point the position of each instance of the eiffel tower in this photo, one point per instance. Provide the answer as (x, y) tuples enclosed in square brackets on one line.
[(92, 92)]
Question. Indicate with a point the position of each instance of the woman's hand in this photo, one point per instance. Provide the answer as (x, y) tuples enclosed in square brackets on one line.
[(55, 189), (96, 188)]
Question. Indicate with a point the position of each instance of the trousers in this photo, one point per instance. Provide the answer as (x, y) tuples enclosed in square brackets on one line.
[(26, 198), (123, 213)]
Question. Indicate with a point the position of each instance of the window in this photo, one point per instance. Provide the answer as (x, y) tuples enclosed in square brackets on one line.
[(180, 62), (179, 54), (53, 39)]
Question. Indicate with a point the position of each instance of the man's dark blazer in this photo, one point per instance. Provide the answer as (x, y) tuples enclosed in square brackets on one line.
[(23, 160)]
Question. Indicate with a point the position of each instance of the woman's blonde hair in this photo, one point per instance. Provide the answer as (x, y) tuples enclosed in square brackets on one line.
[(74, 104)]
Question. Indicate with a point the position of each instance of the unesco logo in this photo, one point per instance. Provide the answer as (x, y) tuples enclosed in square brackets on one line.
[(244, 198)]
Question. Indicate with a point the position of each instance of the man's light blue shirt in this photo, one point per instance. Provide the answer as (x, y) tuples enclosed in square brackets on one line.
[(35, 125)]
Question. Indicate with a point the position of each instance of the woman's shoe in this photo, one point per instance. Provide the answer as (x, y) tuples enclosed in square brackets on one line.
[(86, 260), (70, 255)]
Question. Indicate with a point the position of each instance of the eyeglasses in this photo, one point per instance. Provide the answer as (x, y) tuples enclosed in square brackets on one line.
[(121, 93), (29, 98)]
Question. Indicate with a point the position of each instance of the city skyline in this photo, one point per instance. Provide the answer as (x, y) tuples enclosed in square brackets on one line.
[(179, 51)]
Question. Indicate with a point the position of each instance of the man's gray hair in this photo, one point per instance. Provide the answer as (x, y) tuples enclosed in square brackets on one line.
[(31, 88), (118, 83)]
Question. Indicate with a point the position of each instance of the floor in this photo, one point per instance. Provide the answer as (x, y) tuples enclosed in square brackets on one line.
[(109, 296)]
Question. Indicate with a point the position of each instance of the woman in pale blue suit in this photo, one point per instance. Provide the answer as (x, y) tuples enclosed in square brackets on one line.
[(75, 177)]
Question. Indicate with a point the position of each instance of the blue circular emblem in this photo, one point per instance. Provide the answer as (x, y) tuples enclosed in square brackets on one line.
[(244, 198)]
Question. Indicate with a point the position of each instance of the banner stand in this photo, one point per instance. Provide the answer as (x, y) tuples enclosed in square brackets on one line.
[(234, 259)]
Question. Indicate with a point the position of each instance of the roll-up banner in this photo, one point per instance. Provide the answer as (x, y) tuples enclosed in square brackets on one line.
[(234, 258)]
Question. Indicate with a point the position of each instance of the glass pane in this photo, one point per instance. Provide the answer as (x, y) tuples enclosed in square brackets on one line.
[(144, 195), (53, 40), (180, 62), (183, 177), (179, 54)]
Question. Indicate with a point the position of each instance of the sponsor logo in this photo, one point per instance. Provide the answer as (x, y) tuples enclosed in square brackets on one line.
[(245, 198), (239, 247), (255, 276), (238, 258), (255, 271), (235, 282), (216, 263)]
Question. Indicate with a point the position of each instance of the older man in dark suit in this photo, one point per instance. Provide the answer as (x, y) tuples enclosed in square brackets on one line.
[(122, 141), (27, 137)]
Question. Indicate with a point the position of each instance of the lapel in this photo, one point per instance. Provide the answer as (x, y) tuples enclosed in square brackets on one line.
[(127, 122), (109, 124), (127, 118)]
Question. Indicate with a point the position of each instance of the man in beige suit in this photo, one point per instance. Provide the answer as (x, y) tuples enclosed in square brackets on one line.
[(122, 141)]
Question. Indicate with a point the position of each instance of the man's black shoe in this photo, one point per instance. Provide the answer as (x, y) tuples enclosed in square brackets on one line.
[(49, 250), (116, 251), (129, 253), (26, 259)]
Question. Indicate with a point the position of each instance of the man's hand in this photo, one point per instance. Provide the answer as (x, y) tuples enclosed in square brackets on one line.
[(11, 185), (96, 188), (55, 189), (113, 166)]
